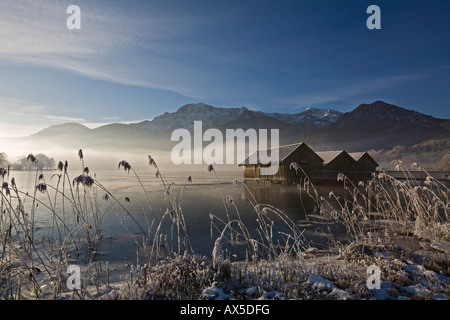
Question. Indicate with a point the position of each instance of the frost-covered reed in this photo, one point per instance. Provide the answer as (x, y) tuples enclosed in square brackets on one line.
[(406, 206), (270, 258)]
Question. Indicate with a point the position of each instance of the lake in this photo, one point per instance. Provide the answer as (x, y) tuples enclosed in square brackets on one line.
[(206, 195)]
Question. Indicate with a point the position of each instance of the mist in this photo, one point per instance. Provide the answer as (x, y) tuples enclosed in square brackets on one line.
[(102, 158)]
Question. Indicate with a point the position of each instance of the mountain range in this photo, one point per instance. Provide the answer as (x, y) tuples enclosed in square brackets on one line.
[(388, 131)]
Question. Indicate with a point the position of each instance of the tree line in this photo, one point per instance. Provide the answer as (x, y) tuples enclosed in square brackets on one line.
[(43, 162)]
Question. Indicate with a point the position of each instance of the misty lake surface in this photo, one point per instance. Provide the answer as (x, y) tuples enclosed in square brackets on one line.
[(203, 197)]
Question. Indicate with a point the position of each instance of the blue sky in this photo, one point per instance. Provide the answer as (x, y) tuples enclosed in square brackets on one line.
[(133, 60)]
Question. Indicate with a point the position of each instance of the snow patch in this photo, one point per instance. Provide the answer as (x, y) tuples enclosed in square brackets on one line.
[(215, 293), (319, 283), (419, 289)]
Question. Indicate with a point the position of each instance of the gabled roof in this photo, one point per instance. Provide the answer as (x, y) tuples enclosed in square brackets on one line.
[(283, 152), (359, 155), (328, 156)]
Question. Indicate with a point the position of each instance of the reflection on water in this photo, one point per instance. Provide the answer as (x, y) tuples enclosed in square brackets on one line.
[(207, 195), (284, 197)]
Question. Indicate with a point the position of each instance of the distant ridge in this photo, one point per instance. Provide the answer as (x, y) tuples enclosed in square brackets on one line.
[(378, 126)]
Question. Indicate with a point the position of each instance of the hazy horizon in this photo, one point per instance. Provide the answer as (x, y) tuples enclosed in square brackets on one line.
[(132, 61)]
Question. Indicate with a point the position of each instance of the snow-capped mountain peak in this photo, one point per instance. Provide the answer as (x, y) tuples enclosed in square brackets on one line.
[(315, 116), (185, 116), (211, 116)]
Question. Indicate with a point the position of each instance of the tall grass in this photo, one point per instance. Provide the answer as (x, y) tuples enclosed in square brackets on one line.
[(26, 256), (408, 207), (34, 256)]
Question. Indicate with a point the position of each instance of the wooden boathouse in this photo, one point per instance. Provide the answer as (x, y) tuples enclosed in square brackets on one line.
[(316, 166)]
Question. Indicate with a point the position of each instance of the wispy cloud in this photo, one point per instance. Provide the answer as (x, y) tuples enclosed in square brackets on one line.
[(63, 119), (22, 118), (352, 90), (114, 44)]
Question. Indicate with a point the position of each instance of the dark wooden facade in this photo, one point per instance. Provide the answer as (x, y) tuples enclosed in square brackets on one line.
[(335, 162), (338, 161), (307, 160), (316, 166), (365, 161)]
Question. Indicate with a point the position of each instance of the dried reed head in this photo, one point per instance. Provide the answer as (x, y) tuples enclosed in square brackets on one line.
[(42, 187), (152, 162), (31, 158), (60, 166), (85, 180), (5, 185), (80, 154), (126, 166)]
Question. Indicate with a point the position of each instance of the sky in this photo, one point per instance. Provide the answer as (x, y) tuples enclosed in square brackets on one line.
[(133, 60)]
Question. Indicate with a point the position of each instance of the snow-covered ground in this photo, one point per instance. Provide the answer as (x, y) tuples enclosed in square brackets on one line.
[(410, 269)]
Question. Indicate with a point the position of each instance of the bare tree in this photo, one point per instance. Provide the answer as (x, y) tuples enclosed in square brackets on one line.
[(3, 160)]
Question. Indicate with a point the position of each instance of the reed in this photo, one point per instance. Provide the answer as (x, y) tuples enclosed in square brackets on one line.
[(269, 259), (404, 206), (27, 256)]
